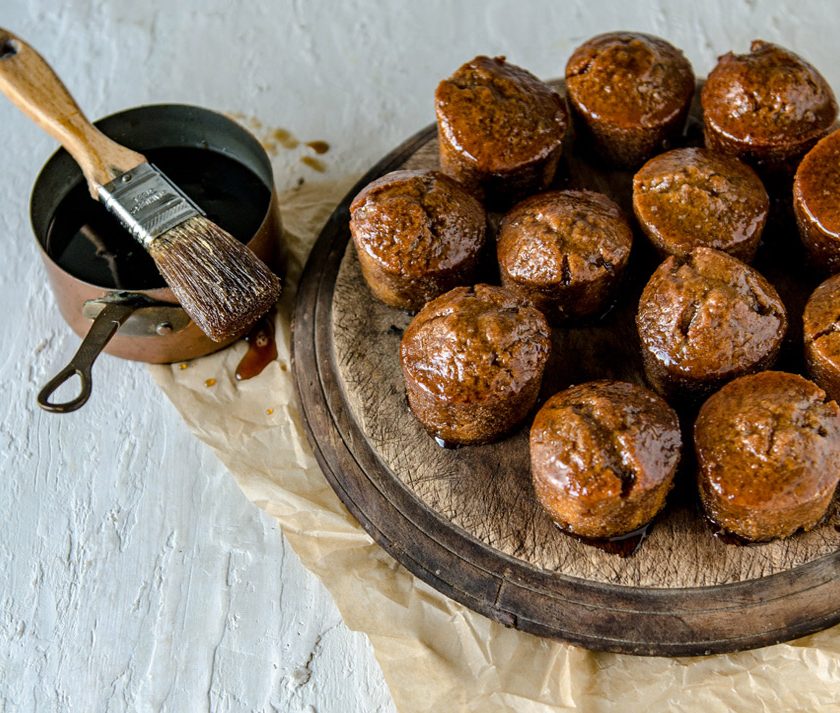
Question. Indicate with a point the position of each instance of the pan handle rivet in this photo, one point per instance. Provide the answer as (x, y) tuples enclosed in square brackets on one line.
[(163, 329)]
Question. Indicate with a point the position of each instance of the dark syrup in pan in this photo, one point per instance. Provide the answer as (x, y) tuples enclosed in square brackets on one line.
[(86, 241)]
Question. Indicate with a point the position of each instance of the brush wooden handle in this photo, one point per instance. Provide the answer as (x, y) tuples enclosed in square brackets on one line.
[(32, 85)]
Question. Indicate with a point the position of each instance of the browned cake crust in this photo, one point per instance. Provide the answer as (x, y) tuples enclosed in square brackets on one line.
[(565, 251), (816, 202), (691, 197), (821, 328), (767, 107), (473, 361), (768, 454), (629, 94), (603, 457), (704, 320), (417, 234), (500, 129)]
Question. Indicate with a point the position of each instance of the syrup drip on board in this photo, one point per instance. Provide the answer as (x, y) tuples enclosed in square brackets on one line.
[(730, 538), (448, 445), (262, 349), (622, 545), (727, 537)]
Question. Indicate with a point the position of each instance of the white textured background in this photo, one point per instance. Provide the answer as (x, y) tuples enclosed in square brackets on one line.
[(133, 574)]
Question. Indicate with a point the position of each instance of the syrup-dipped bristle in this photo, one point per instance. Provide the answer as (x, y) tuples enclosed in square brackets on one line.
[(219, 282)]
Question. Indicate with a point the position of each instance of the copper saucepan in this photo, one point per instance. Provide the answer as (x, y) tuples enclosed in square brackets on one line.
[(145, 324)]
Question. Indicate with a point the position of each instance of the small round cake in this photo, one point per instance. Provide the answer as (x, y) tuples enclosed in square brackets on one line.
[(417, 234), (816, 202), (767, 107), (500, 129), (821, 328), (690, 198), (473, 362), (704, 320), (603, 457), (565, 251), (630, 94), (768, 455)]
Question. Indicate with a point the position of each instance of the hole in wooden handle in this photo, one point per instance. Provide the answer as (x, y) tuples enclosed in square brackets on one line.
[(8, 49)]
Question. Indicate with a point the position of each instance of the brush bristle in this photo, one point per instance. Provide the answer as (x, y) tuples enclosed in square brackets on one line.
[(219, 282)]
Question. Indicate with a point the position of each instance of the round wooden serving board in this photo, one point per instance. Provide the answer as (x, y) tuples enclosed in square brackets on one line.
[(466, 521)]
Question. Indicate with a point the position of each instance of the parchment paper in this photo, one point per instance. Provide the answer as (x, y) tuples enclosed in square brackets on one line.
[(437, 655)]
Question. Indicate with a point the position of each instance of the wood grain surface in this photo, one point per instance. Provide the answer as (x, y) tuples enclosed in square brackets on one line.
[(467, 521)]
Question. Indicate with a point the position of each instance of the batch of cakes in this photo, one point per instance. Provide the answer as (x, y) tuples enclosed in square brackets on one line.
[(604, 453)]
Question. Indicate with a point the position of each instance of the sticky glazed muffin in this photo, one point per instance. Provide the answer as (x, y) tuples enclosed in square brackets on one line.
[(704, 320), (767, 107), (603, 457), (630, 94), (565, 251), (816, 202), (473, 361), (821, 329), (417, 234), (500, 129), (768, 454), (691, 197)]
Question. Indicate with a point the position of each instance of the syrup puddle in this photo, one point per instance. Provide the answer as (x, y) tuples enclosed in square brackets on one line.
[(262, 349), (621, 545)]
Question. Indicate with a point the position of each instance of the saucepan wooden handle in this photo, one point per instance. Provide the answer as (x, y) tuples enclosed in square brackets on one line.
[(31, 84)]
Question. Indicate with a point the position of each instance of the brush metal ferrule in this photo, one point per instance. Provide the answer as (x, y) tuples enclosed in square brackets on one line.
[(147, 203)]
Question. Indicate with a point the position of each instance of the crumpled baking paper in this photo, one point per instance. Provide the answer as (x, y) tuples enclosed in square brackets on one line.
[(437, 655)]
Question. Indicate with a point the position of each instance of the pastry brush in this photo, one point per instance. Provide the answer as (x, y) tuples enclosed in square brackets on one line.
[(219, 282)]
